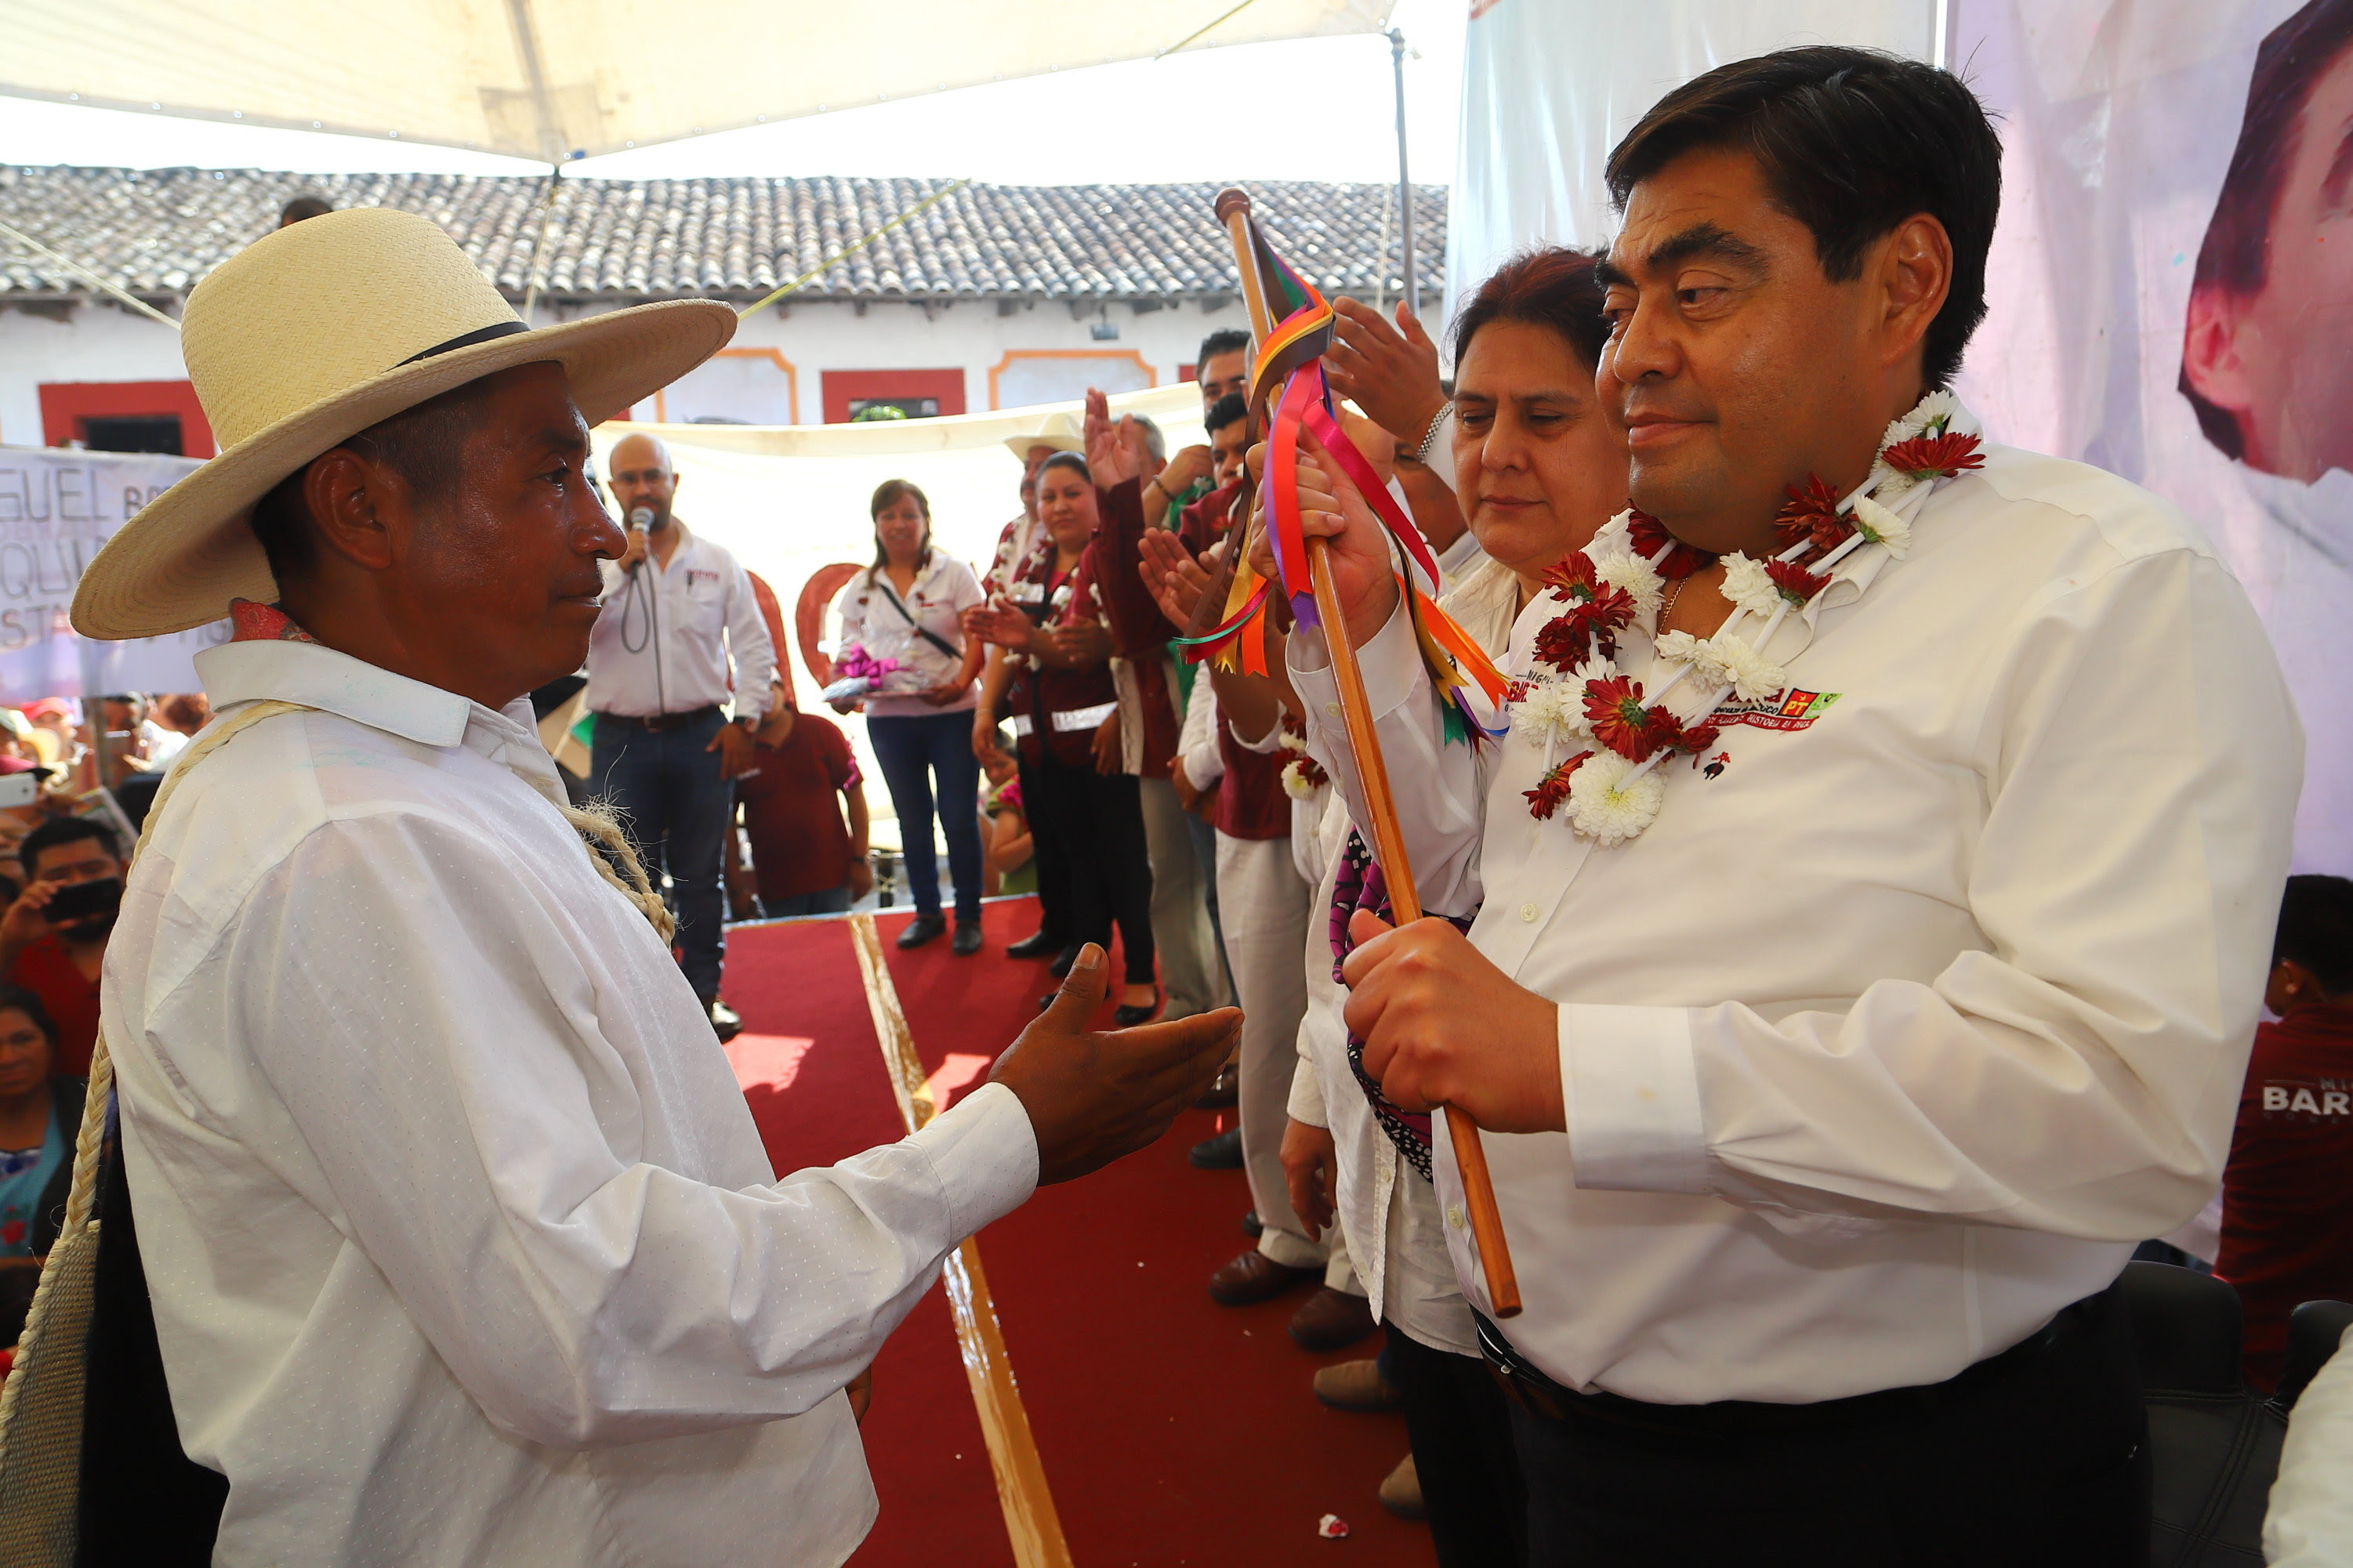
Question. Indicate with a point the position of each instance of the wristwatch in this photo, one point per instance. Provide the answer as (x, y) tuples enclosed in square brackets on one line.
[(1422, 449)]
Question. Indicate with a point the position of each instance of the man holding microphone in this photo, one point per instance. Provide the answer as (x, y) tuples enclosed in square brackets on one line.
[(659, 678)]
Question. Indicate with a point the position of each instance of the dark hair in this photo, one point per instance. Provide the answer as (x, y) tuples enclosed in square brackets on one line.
[(60, 830), (2316, 929), (303, 206), (889, 493), (1224, 341), (426, 446), (1066, 461), (1234, 405), (1851, 143), (2236, 255), (1551, 286), (17, 999)]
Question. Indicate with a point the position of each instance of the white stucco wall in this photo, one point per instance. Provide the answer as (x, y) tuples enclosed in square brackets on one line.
[(772, 374)]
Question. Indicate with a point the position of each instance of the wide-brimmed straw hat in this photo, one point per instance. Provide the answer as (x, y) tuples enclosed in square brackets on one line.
[(308, 337), (1061, 431)]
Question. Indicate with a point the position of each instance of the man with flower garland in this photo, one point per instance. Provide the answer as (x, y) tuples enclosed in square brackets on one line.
[(1874, 890)]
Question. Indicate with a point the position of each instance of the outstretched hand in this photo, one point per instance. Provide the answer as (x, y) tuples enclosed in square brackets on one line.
[(1095, 1095)]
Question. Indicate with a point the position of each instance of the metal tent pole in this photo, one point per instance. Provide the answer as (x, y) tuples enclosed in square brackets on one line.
[(1405, 185)]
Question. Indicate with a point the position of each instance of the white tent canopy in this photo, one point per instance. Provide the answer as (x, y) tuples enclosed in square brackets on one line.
[(546, 81)]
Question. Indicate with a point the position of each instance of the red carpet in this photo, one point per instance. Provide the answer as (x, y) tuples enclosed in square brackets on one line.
[(1173, 1431)]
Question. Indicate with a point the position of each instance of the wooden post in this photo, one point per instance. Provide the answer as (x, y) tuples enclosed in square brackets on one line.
[(1388, 841)]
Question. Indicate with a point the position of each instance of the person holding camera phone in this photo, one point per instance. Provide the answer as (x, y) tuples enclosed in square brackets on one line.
[(53, 938)]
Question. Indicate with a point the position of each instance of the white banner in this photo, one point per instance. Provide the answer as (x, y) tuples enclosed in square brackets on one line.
[(2172, 298), (57, 508), (1548, 89)]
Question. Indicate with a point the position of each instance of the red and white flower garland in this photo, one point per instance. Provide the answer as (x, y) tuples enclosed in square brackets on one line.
[(1611, 790)]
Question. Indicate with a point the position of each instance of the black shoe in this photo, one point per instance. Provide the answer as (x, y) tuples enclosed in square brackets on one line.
[(1252, 1226), (1224, 1091), (1128, 1018), (724, 1020), (1047, 1000), (1222, 1152), (1062, 962), (1041, 943), (966, 940), (921, 929)]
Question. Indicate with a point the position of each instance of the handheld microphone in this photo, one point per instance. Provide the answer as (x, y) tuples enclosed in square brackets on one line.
[(642, 522)]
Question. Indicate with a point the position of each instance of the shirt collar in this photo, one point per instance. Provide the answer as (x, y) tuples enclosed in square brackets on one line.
[(316, 675)]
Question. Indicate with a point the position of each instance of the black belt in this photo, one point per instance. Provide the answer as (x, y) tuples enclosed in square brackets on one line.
[(1538, 1395), (658, 722)]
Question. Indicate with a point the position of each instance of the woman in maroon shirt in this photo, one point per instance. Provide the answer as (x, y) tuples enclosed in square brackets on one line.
[(2287, 1192), (1064, 709)]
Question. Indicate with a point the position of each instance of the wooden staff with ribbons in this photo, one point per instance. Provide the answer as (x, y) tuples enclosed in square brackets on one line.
[(1233, 210)]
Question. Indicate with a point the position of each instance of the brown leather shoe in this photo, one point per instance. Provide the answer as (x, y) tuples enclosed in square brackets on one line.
[(1331, 1319), (1401, 1491), (1253, 1277), (1357, 1385)]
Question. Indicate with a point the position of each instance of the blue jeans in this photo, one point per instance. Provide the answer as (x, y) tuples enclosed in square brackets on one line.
[(665, 786), (914, 750), (831, 902)]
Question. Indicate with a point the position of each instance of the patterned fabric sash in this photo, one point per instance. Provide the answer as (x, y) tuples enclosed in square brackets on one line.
[(1360, 886)]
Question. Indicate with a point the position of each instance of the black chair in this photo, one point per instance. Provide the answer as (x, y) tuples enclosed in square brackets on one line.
[(2214, 1443)]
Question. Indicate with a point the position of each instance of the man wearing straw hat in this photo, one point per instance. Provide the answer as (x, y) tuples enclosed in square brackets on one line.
[(462, 1245)]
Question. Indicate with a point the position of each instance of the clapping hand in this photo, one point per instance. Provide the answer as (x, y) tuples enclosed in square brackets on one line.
[(1115, 452), (1389, 372), (1174, 577), (1000, 623)]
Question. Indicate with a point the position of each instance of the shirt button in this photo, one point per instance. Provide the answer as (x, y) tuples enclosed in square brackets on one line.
[(1454, 1215), (1528, 911), (1331, 710)]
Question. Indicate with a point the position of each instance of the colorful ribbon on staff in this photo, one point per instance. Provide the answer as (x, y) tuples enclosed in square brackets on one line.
[(1289, 399)]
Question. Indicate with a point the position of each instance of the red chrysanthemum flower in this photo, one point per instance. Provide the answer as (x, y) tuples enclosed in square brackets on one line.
[(1698, 740), (1649, 536), (1933, 456), (1665, 730), (1796, 584), (1312, 771), (1613, 706), (1552, 790), (1572, 579), (1559, 643), (1811, 512)]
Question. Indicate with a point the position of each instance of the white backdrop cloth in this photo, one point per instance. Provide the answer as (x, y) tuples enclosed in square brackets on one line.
[(1549, 88), (56, 509)]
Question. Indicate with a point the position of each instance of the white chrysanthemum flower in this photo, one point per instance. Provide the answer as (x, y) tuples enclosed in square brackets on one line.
[(1748, 586), (1881, 526), (1624, 569), (1295, 782), (1291, 742), (1750, 674), (1682, 647), (1932, 412), (1549, 713), (1606, 806)]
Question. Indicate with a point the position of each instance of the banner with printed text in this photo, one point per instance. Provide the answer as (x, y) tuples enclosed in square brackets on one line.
[(57, 508)]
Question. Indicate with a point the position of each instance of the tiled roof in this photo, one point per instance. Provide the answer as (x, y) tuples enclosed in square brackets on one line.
[(155, 232)]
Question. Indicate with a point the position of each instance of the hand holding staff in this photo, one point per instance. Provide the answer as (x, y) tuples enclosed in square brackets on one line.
[(1388, 842)]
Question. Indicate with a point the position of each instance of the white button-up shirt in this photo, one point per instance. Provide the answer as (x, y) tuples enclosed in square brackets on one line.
[(1890, 1038), (663, 642), (462, 1245)]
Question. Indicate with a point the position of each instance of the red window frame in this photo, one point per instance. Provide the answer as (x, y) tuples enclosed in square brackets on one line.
[(67, 405), (838, 387)]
